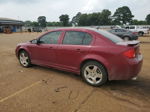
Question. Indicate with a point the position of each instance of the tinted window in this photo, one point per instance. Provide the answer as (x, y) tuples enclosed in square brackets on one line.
[(117, 30), (123, 30), (111, 31), (120, 30), (132, 27), (77, 38), (50, 38), (87, 39)]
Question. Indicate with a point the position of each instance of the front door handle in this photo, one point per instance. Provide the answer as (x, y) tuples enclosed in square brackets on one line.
[(78, 49)]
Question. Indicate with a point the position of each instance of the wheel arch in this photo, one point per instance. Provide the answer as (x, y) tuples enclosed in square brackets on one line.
[(22, 49), (141, 32), (102, 62), (127, 36)]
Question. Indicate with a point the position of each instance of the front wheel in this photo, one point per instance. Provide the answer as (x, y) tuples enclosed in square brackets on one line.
[(94, 73), (24, 59)]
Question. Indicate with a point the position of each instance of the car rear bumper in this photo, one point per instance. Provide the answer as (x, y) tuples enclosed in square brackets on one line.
[(135, 37), (129, 70)]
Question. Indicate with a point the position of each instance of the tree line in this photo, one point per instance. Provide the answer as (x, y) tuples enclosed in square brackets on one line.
[(121, 16)]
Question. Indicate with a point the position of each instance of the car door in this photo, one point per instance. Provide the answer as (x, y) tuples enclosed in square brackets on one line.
[(45, 51), (74, 47), (119, 32)]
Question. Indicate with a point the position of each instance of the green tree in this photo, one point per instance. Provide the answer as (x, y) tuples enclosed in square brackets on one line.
[(54, 24), (104, 17), (148, 19), (27, 23), (83, 20), (93, 19), (75, 19), (123, 15), (42, 21), (137, 22), (64, 19), (99, 18), (35, 24)]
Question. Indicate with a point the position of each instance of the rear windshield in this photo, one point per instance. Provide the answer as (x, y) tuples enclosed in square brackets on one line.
[(110, 36)]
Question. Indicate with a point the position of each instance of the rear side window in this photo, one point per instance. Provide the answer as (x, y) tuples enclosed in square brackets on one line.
[(87, 39), (132, 27), (77, 38), (124, 30), (117, 30)]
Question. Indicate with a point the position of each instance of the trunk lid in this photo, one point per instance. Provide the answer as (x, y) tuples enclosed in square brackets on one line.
[(131, 45)]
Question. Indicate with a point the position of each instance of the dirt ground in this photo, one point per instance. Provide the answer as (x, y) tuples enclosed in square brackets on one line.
[(39, 89)]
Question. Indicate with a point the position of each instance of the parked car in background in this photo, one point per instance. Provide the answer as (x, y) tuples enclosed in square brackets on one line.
[(36, 29), (141, 31), (97, 55), (124, 34)]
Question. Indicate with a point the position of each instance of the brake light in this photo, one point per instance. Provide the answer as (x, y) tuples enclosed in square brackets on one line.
[(135, 33), (130, 53)]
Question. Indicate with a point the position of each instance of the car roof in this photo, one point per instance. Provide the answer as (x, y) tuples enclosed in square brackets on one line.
[(118, 29), (86, 29)]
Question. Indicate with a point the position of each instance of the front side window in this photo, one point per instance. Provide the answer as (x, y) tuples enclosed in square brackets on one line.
[(112, 31), (123, 30), (50, 38), (117, 30), (77, 38), (120, 30)]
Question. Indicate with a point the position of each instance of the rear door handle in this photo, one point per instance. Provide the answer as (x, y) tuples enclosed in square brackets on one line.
[(78, 49), (50, 47)]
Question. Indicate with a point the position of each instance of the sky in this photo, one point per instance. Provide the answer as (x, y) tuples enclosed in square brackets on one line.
[(52, 9)]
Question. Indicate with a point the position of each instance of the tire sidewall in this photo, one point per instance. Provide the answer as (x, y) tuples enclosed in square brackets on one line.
[(126, 38), (29, 61), (101, 67), (140, 33)]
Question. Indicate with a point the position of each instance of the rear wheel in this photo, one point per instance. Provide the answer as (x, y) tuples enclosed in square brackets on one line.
[(126, 38), (141, 33), (24, 59), (94, 73)]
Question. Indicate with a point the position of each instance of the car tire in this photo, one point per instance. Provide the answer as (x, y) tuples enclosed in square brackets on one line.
[(126, 38), (140, 33), (24, 59), (94, 73)]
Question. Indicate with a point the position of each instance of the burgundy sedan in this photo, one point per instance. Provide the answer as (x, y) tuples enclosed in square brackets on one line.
[(97, 55)]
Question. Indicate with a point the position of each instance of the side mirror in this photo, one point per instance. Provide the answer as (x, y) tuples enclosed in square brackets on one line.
[(35, 41)]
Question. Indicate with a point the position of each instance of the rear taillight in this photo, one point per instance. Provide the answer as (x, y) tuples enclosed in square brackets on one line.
[(135, 33), (130, 53)]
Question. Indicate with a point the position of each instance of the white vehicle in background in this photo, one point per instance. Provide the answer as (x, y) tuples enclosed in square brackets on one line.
[(141, 31)]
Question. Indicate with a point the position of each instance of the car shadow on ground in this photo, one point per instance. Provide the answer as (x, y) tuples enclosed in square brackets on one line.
[(139, 88), (136, 88), (58, 72)]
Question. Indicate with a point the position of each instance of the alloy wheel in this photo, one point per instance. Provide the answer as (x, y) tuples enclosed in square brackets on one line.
[(93, 74), (24, 59)]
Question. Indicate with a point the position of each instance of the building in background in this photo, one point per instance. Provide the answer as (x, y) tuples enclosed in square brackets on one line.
[(8, 25)]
